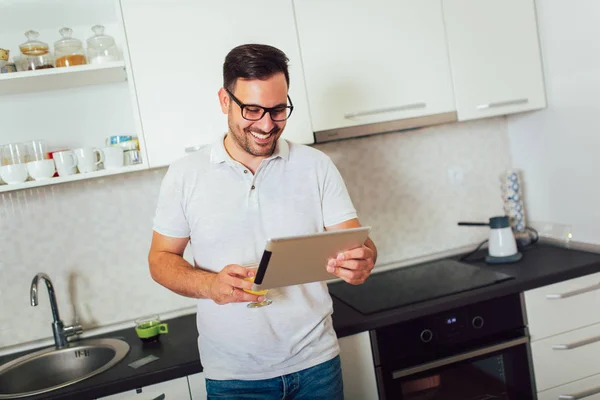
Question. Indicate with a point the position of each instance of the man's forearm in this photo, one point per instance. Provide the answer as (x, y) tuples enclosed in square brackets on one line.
[(173, 272)]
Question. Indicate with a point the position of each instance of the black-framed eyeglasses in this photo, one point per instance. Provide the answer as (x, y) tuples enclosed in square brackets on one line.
[(253, 112)]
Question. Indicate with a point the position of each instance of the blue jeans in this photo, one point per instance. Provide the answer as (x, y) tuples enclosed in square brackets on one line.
[(321, 382)]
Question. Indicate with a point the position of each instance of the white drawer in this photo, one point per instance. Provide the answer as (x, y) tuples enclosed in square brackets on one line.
[(585, 389), (563, 306), (176, 389), (566, 358)]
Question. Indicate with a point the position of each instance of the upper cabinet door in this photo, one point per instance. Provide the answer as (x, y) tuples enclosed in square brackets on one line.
[(177, 49), (495, 57), (369, 61)]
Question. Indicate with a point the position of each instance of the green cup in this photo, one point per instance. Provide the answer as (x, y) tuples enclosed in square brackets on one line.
[(150, 328)]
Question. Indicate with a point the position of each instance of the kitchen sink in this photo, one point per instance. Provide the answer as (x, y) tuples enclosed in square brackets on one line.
[(51, 369)]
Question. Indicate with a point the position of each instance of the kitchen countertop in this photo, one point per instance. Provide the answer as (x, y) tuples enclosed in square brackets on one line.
[(177, 352), (542, 264)]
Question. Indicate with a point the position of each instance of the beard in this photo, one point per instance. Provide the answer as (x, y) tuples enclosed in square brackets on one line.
[(244, 139)]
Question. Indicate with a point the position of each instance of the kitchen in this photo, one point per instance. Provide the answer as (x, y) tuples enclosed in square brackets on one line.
[(92, 235)]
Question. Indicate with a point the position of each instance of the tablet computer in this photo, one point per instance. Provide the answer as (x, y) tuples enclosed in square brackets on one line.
[(300, 259)]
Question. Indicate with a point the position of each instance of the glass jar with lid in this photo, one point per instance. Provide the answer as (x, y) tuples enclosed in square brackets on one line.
[(102, 48), (68, 51), (36, 54)]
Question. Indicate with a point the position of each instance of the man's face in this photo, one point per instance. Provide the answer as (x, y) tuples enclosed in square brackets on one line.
[(257, 138)]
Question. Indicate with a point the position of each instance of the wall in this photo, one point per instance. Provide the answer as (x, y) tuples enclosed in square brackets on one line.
[(92, 237), (557, 148)]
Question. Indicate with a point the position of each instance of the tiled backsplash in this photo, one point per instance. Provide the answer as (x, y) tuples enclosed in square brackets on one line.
[(92, 237)]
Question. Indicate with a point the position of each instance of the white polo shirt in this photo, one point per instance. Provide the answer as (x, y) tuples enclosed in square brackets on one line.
[(228, 213)]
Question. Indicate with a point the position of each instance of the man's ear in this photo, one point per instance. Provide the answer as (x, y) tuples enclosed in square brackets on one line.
[(224, 100)]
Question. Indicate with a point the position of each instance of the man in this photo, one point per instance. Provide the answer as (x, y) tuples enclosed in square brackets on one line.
[(227, 199)]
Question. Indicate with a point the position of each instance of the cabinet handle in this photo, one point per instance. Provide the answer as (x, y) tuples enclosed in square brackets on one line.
[(502, 104), (574, 345), (385, 110), (161, 397), (573, 292), (580, 395)]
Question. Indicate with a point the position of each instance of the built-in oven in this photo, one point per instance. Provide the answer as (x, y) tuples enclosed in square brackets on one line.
[(476, 352)]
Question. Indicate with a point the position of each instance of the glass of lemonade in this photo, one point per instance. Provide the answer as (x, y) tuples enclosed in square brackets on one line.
[(265, 302)]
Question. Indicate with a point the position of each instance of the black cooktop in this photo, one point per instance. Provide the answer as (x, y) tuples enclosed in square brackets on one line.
[(409, 285)]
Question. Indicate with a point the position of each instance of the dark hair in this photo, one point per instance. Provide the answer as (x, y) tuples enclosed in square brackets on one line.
[(253, 61)]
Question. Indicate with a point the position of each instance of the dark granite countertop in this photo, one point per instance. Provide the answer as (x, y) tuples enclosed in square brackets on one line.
[(542, 264), (177, 352)]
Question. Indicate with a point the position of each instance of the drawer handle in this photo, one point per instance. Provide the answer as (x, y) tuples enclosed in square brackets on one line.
[(573, 293), (502, 104), (161, 397), (580, 395), (385, 110), (575, 345)]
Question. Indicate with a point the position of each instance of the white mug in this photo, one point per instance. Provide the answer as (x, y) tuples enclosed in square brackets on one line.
[(41, 169), (113, 157), (15, 173), (88, 159), (66, 162)]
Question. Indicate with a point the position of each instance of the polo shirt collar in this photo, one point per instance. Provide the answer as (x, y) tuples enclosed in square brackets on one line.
[(219, 155)]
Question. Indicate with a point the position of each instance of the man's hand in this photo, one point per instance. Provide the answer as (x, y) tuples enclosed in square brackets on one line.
[(354, 266), (227, 286)]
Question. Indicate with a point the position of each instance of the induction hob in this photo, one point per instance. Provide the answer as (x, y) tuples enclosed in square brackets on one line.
[(409, 285)]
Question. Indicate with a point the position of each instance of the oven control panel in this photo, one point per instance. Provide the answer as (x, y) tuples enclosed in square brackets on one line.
[(442, 333), (453, 325)]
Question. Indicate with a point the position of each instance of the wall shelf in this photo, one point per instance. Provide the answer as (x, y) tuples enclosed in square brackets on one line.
[(72, 178), (62, 78)]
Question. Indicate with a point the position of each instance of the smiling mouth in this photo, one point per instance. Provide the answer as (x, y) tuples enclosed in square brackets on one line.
[(261, 136)]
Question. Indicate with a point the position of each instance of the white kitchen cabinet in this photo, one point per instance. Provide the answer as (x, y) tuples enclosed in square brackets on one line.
[(588, 389), (494, 56), (371, 61), (176, 389), (197, 384), (565, 336), (358, 367), (71, 107), (566, 357), (177, 49), (563, 306)]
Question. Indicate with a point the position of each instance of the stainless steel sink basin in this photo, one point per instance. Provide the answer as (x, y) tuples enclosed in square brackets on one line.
[(51, 369)]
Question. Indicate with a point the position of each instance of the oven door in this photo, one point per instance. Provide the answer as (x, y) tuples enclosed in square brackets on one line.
[(497, 372)]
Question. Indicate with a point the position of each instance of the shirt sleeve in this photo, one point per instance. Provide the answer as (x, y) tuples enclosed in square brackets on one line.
[(336, 203), (170, 219)]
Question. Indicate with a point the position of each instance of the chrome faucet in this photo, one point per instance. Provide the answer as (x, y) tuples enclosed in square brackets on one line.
[(60, 332)]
